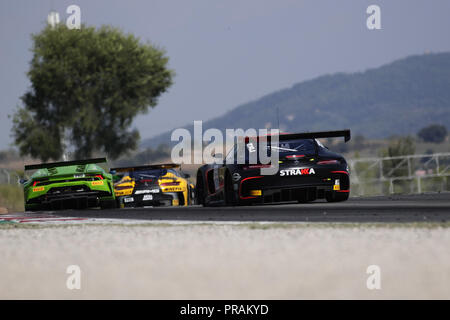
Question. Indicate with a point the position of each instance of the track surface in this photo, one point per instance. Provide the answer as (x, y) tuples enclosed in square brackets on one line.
[(411, 208)]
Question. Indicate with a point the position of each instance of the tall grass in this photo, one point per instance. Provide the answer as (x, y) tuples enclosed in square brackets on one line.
[(11, 197)]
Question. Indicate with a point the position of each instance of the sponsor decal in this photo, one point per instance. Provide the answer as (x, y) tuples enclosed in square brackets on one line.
[(97, 183), (147, 191), (337, 185), (77, 176), (173, 189), (129, 199), (236, 176), (297, 172), (38, 189)]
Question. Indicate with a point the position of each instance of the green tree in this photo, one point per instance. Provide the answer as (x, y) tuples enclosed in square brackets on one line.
[(433, 133), (87, 86)]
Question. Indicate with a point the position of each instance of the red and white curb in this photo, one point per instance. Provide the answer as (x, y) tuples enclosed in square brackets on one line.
[(38, 218), (55, 219), (48, 218)]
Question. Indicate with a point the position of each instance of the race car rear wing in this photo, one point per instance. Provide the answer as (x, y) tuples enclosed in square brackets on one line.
[(307, 135), (64, 164), (146, 167), (315, 135)]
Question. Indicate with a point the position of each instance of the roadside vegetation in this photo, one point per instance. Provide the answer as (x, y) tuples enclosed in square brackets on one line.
[(11, 198), (428, 140)]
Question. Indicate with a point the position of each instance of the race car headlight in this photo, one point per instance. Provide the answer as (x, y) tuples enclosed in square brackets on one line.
[(122, 187), (328, 162), (170, 184), (255, 193), (256, 166)]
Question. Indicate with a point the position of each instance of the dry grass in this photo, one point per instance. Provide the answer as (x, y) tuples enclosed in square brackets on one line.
[(11, 197)]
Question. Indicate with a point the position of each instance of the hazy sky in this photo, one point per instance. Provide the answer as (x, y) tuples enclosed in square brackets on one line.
[(227, 52)]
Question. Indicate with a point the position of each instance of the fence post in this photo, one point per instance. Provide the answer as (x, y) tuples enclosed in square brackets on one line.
[(409, 167), (419, 186), (8, 177), (381, 176), (437, 164)]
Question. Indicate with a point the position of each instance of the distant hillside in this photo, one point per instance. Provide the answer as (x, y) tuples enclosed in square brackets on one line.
[(397, 98)]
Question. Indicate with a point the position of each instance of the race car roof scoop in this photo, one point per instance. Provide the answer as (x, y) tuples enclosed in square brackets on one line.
[(64, 164)]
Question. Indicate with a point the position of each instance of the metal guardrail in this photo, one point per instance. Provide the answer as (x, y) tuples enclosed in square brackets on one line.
[(8, 176), (402, 174)]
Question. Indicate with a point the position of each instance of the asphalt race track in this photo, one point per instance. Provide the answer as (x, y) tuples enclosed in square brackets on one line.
[(410, 208)]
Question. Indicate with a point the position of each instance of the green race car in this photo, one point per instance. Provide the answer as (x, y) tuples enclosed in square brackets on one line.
[(69, 185)]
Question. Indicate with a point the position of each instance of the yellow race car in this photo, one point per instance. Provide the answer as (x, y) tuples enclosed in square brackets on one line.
[(152, 185)]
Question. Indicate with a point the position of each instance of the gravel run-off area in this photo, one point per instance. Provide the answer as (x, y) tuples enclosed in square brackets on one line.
[(225, 262)]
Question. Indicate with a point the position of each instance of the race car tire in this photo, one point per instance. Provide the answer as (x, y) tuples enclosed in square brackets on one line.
[(34, 207), (191, 196), (199, 194), (337, 196), (188, 199), (229, 194)]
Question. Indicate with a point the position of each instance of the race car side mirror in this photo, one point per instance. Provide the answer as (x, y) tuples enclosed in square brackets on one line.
[(186, 175), (23, 181), (113, 172)]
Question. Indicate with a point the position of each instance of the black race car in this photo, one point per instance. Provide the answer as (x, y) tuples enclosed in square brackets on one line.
[(307, 171)]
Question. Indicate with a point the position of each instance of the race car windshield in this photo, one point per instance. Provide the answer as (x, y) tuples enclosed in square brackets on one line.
[(304, 145), (147, 174)]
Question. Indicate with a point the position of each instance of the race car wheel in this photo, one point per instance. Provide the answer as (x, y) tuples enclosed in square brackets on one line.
[(337, 196), (188, 199), (199, 191), (228, 190), (34, 207), (191, 196)]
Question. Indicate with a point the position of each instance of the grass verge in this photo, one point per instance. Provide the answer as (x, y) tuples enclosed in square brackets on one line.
[(11, 197)]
